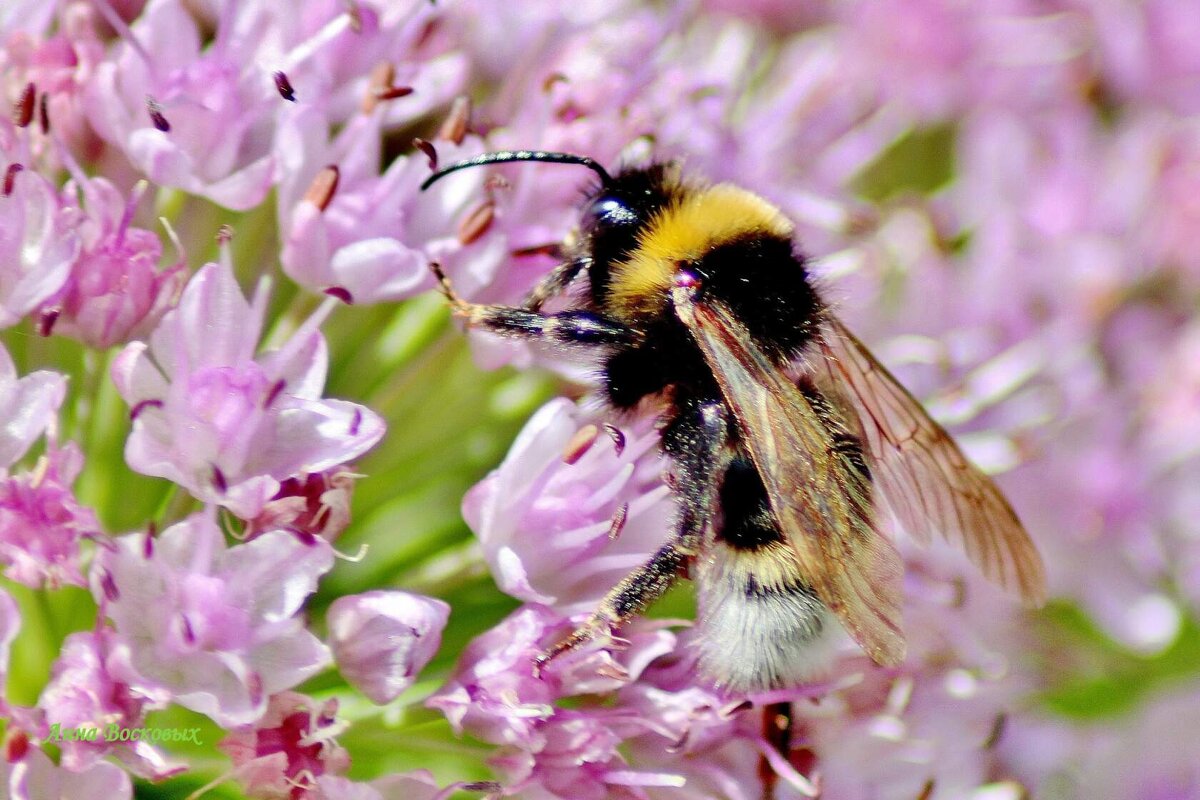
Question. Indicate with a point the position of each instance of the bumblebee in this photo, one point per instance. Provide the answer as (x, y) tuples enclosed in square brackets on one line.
[(787, 439)]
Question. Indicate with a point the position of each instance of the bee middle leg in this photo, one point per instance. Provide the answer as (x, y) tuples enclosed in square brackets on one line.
[(565, 327), (696, 439)]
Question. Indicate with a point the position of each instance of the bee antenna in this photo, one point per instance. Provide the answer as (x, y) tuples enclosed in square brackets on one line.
[(504, 156)]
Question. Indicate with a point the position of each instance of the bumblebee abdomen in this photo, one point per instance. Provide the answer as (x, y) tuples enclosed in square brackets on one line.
[(763, 627)]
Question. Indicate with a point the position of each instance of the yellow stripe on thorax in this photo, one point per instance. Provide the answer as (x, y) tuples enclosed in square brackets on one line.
[(684, 232)]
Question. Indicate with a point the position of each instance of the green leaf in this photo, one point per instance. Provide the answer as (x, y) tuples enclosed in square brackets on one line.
[(919, 162), (1094, 677)]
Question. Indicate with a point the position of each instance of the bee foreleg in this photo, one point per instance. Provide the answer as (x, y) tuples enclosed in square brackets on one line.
[(553, 283), (566, 327)]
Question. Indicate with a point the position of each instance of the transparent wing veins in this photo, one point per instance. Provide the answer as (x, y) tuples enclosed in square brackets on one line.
[(923, 475)]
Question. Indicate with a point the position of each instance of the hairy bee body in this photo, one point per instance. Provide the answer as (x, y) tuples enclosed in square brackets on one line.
[(762, 625), (783, 432)]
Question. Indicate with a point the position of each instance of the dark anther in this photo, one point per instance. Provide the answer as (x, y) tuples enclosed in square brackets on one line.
[(189, 634), (276, 390), (617, 437), (617, 523), (284, 86), (550, 249), (156, 115), (16, 745), (10, 176), (218, 479), (429, 151), (393, 92), (46, 320), (341, 293), (109, 586), (23, 108)]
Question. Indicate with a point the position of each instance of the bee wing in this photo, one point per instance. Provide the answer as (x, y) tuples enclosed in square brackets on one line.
[(822, 505), (927, 481)]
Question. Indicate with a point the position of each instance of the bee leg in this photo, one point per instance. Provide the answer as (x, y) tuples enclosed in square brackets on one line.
[(566, 327), (696, 439), (629, 596), (554, 283)]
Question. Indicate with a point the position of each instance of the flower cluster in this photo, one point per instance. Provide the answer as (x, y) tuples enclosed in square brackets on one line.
[(1000, 197)]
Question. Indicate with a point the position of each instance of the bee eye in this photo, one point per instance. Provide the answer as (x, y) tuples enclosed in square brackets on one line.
[(607, 212)]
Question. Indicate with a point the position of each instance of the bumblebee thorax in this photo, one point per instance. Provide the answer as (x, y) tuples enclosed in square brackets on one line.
[(678, 237)]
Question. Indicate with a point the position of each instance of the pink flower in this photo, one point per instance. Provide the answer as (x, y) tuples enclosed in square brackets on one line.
[(41, 522), (495, 696), (35, 777), (213, 626), (316, 504), (28, 405), (545, 516), (84, 693), (191, 117), (713, 743), (115, 291), (58, 61), (371, 236), (284, 753), (38, 240), (1148, 752), (576, 757), (334, 56), (382, 640), (1145, 51), (229, 426)]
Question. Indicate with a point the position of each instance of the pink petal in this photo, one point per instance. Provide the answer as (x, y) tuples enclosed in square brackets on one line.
[(212, 325), (379, 269), (290, 658), (383, 639), (314, 435), (27, 407), (136, 376), (278, 570)]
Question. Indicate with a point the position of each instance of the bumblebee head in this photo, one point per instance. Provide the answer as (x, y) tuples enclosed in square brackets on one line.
[(619, 211), (617, 208)]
